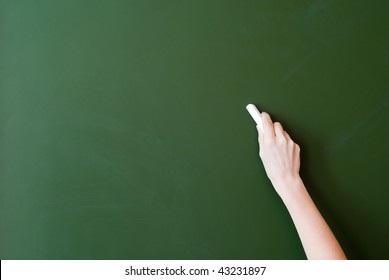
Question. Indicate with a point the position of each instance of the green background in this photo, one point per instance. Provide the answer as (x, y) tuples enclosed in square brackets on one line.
[(124, 134)]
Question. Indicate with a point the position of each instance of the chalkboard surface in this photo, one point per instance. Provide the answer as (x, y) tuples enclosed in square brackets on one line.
[(124, 134)]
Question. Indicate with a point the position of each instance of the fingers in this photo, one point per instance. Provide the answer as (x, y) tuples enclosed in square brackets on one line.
[(260, 135), (287, 137), (268, 128), (271, 131), (279, 131)]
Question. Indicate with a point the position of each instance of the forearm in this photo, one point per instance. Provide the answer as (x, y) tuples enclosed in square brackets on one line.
[(317, 238), (281, 159)]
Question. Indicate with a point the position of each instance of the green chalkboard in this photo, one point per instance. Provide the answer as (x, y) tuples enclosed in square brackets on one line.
[(124, 134)]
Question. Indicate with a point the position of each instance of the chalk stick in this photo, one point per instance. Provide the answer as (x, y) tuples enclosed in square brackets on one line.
[(255, 114)]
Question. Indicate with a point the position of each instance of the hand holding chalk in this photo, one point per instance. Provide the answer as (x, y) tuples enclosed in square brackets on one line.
[(255, 114), (279, 154), (281, 159)]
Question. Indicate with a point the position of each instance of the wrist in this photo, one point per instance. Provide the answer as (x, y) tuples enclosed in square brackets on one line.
[(291, 190)]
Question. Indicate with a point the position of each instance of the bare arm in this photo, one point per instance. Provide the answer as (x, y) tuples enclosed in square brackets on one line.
[(281, 159)]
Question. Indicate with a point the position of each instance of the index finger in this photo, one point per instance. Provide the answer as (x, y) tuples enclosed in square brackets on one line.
[(268, 127)]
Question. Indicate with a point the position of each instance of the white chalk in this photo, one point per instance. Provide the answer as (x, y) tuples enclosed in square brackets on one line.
[(255, 114)]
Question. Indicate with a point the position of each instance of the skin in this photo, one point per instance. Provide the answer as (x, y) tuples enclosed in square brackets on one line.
[(281, 159)]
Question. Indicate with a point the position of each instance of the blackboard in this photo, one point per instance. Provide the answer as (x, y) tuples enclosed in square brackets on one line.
[(124, 133)]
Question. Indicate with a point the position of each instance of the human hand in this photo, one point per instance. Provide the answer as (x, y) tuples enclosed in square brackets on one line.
[(281, 159), (280, 156)]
